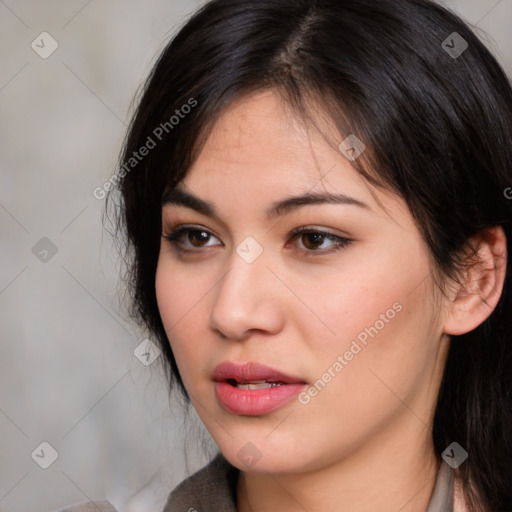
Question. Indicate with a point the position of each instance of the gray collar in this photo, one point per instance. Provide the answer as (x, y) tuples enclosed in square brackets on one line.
[(213, 489)]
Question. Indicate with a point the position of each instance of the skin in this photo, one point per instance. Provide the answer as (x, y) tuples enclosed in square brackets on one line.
[(363, 443)]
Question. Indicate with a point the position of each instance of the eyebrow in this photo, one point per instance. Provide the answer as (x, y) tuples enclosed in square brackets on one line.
[(180, 197)]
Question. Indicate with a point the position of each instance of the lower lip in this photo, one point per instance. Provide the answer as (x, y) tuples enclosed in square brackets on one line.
[(253, 402)]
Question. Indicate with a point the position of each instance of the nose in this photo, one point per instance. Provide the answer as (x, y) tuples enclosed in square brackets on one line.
[(248, 298)]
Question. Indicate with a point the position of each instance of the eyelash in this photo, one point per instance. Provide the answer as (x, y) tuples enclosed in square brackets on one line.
[(341, 242)]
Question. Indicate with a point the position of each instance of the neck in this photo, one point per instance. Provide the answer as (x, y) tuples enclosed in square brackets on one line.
[(385, 475)]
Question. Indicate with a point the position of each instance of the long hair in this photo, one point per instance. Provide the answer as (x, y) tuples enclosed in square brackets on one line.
[(434, 109)]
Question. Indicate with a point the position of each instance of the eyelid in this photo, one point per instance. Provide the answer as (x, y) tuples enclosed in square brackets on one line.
[(181, 228)]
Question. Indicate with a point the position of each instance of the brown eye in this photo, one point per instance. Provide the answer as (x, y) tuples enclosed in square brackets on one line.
[(196, 238), (200, 236), (312, 240)]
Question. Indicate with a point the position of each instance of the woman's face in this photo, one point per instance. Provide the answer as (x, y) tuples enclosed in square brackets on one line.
[(355, 322)]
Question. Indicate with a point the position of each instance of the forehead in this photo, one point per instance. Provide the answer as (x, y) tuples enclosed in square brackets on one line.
[(261, 158), (259, 141)]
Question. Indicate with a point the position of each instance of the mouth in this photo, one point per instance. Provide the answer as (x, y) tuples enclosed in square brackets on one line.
[(253, 389)]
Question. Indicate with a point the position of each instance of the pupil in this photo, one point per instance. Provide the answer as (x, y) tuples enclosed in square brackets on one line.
[(317, 237), (203, 234)]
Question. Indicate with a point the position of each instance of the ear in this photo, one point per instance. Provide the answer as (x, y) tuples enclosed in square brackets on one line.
[(474, 300)]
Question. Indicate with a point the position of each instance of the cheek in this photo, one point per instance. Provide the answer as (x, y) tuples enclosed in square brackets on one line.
[(362, 380), (178, 293), (380, 322), (365, 298), (177, 304), (182, 297)]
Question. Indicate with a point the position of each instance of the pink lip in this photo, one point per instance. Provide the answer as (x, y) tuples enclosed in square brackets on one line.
[(251, 371), (253, 402)]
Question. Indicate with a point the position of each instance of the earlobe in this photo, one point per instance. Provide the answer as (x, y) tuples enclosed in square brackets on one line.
[(478, 296)]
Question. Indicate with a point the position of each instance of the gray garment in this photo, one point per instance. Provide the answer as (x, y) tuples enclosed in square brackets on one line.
[(213, 489)]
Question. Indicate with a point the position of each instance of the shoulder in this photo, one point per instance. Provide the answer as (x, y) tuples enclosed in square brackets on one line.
[(89, 506)]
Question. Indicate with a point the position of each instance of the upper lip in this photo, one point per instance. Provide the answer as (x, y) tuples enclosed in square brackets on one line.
[(251, 371)]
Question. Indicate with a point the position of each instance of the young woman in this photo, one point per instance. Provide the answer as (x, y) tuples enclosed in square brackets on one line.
[(316, 200)]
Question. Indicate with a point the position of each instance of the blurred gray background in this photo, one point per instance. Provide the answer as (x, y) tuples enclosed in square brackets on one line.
[(70, 377)]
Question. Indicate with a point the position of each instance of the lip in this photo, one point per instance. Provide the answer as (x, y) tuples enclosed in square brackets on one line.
[(254, 402), (251, 371)]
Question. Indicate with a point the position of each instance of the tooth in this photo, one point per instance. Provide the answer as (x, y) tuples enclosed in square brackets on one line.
[(258, 385)]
